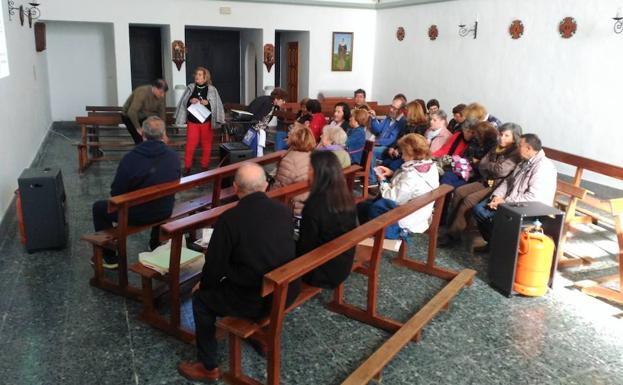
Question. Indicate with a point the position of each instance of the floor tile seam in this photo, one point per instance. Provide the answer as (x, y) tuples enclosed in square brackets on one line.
[(132, 354)]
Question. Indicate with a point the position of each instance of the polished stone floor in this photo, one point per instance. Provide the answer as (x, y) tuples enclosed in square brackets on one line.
[(56, 329)]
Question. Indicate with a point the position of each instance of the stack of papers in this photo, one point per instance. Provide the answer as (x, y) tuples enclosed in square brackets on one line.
[(159, 259), (199, 111)]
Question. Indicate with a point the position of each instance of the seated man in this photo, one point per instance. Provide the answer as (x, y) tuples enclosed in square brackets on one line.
[(479, 112), (147, 100), (386, 132), (432, 106), (359, 97), (249, 241), (148, 164), (533, 180)]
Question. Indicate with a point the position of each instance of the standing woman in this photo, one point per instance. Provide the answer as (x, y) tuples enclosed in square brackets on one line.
[(329, 212), (201, 91)]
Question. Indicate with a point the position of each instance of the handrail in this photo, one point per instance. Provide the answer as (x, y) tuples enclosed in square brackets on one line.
[(585, 163)]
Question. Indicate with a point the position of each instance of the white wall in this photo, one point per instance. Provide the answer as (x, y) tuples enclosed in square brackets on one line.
[(81, 64), (320, 21), (566, 91), (25, 108), (302, 37), (251, 44)]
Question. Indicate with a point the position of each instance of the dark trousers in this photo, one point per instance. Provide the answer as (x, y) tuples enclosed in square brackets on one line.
[(103, 220), (373, 208), (208, 304), (484, 218), (138, 138)]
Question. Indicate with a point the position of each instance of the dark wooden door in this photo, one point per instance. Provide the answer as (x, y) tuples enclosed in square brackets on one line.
[(145, 55), (219, 52), (293, 71)]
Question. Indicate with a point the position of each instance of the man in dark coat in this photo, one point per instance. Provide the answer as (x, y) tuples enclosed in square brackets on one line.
[(248, 241), (150, 163)]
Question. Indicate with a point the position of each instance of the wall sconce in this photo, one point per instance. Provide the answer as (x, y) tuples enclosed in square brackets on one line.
[(618, 22), (464, 30), (32, 12)]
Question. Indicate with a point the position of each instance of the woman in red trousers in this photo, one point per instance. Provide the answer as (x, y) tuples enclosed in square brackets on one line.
[(201, 91)]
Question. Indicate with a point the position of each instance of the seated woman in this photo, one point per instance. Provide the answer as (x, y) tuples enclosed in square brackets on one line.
[(437, 134), (416, 176), (341, 116), (318, 120), (329, 212), (493, 167), (302, 108), (417, 123), (356, 135), (465, 168), (458, 142), (294, 166), (334, 139)]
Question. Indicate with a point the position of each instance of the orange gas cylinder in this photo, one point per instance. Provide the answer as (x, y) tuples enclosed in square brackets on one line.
[(534, 262)]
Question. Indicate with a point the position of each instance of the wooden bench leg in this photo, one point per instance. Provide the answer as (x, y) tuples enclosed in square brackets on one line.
[(98, 266), (148, 297)]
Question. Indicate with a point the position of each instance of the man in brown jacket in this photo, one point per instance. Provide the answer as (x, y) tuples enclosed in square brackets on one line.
[(145, 101)]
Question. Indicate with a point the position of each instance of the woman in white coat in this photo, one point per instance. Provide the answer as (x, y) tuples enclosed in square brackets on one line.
[(417, 175)]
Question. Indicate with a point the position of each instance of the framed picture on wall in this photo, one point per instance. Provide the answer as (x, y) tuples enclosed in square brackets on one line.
[(342, 51)]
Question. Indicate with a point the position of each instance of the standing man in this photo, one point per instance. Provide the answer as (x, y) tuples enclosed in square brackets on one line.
[(151, 162), (249, 240), (144, 101), (533, 180)]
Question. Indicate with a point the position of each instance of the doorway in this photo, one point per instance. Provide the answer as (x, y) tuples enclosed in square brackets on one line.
[(293, 71), (219, 52), (145, 55)]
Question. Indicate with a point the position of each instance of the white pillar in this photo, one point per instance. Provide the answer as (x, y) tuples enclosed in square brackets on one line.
[(122, 60)]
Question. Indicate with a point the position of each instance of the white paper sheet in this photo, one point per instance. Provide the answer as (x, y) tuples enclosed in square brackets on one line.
[(199, 111)]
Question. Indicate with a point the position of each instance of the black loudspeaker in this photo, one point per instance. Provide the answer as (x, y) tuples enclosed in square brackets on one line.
[(43, 207), (233, 152)]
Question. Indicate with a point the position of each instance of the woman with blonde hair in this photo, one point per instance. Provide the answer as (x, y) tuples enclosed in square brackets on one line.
[(202, 92), (417, 175), (294, 166)]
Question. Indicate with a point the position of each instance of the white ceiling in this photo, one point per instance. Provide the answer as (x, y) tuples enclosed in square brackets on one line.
[(369, 4)]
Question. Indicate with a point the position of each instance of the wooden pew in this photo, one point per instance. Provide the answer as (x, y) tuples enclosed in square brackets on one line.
[(573, 194), (116, 238), (364, 175), (371, 368), (117, 109), (269, 330), (175, 231), (614, 207), (90, 139)]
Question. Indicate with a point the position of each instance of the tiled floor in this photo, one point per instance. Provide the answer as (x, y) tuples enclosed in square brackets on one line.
[(56, 329)]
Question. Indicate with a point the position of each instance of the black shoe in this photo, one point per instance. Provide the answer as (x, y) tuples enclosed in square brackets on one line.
[(447, 241), (111, 261), (186, 172)]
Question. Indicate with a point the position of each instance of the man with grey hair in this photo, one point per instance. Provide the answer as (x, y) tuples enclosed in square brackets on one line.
[(248, 241), (149, 163)]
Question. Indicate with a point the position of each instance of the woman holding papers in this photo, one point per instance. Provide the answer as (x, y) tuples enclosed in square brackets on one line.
[(201, 109)]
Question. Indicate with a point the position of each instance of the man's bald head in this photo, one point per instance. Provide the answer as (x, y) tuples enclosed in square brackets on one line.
[(249, 178)]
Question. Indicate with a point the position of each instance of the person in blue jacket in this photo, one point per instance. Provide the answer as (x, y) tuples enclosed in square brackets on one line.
[(386, 132), (356, 134), (149, 163)]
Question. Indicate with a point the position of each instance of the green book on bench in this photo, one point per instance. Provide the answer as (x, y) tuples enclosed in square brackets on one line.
[(159, 258)]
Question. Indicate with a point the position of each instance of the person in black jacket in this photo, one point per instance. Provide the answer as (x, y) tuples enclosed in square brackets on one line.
[(248, 241), (329, 212), (149, 163)]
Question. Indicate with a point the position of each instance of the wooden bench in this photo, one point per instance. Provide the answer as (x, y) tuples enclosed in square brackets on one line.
[(117, 109), (116, 238), (367, 260), (90, 139), (175, 230), (364, 175), (371, 368), (612, 207)]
